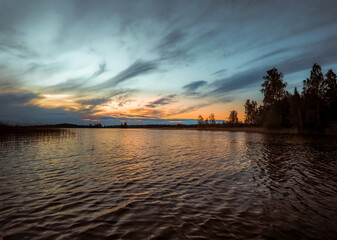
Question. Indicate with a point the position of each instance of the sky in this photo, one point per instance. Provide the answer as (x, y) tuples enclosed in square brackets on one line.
[(153, 62)]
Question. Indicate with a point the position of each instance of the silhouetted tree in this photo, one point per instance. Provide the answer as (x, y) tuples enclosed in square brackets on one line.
[(273, 87), (251, 112), (331, 94), (295, 115), (314, 86), (200, 120), (315, 108), (275, 103), (233, 117), (212, 119), (260, 115), (206, 121), (314, 92)]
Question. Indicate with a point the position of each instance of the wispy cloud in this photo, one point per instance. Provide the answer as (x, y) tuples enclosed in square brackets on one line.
[(138, 68), (189, 109), (171, 46), (322, 52), (94, 101), (101, 69), (76, 84), (161, 101), (193, 86)]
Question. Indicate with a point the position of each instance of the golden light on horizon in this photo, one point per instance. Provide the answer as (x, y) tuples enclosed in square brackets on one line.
[(139, 107), (49, 101)]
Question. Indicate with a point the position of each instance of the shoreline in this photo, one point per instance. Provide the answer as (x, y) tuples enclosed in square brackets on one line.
[(282, 131), (234, 129)]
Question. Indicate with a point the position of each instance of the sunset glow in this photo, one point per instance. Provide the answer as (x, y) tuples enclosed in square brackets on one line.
[(152, 64)]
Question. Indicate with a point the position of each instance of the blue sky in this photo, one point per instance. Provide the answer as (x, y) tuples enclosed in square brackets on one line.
[(153, 61)]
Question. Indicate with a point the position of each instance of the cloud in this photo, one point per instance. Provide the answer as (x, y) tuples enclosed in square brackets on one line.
[(323, 52), (123, 100), (70, 85), (76, 84), (267, 55), (16, 99), (171, 47), (114, 100), (219, 72), (144, 121), (171, 40), (11, 43), (101, 69), (94, 101), (161, 101), (193, 86), (141, 113), (80, 84), (238, 81), (49, 68), (14, 110), (138, 68), (189, 109)]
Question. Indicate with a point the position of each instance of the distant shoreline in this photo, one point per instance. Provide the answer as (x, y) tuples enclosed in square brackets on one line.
[(238, 129), (7, 129), (281, 131), (235, 129)]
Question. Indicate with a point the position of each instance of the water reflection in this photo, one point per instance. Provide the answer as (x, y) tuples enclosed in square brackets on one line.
[(298, 173), (177, 184)]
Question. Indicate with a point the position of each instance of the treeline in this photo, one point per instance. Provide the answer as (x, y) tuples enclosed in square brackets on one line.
[(210, 121), (315, 108)]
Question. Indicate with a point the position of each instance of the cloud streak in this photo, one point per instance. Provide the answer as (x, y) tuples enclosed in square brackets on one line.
[(76, 84), (161, 101), (193, 86), (138, 68), (323, 52)]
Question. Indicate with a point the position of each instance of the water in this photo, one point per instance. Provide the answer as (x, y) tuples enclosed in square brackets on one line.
[(168, 184)]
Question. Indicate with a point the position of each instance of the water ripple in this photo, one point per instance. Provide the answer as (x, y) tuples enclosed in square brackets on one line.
[(154, 184)]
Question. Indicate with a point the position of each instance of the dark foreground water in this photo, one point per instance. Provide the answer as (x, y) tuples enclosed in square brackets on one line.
[(168, 184)]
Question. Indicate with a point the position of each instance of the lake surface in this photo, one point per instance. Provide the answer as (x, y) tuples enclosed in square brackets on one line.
[(168, 184)]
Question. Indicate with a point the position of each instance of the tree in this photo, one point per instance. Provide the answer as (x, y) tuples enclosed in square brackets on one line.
[(314, 86), (260, 115), (251, 112), (273, 87), (212, 119), (233, 117), (276, 105), (331, 94), (200, 120), (331, 86), (314, 92), (295, 109)]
